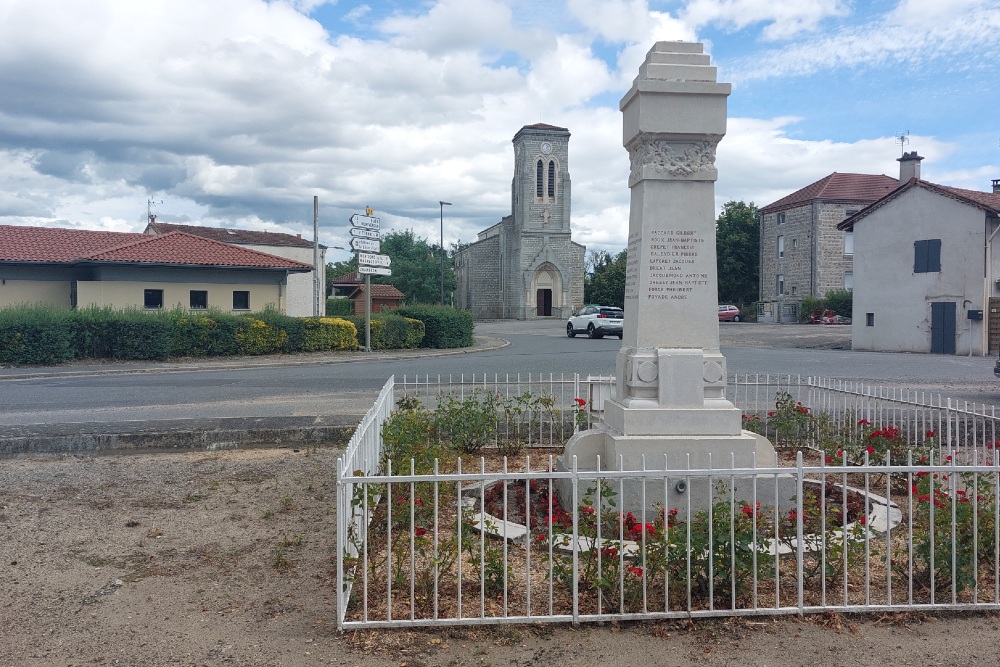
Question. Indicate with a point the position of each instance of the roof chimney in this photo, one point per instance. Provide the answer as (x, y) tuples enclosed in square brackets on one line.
[(909, 166), (996, 186)]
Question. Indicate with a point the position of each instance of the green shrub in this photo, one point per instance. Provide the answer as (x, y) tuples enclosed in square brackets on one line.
[(840, 301), (390, 331), (35, 335), (293, 327), (255, 336), (134, 334), (811, 306), (329, 333), (444, 327), (192, 334), (91, 332), (339, 307)]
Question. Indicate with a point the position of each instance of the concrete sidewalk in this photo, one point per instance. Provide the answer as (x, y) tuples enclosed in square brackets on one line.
[(201, 434)]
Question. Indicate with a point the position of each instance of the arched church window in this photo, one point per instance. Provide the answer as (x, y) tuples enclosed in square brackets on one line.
[(552, 179), (538, 180)]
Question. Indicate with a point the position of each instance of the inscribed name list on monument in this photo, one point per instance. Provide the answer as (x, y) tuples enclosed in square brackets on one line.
[(671, 265), (671, 261)]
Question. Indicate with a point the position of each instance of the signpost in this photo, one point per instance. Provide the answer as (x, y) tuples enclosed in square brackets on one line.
[(366, 221), (374, 271), (366, 244), (373, 260), (366, 240)]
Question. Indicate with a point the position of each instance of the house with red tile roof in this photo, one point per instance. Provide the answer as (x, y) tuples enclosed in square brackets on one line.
[(802, 253), (352, 286), (926, 268), (73, 268), (300, 296)]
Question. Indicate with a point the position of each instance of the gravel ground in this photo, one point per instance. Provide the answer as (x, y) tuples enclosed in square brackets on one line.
[(226, 558)]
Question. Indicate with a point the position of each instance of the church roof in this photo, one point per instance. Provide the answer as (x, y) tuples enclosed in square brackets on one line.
[(544, 126)]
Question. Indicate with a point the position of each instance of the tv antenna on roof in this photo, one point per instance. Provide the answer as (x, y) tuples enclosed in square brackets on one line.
[(902, 139), (150, 203)]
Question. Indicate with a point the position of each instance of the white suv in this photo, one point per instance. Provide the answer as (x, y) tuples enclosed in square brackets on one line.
[(596, 322)]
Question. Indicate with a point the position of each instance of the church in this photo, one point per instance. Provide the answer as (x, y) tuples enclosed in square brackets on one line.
[(527, 265)]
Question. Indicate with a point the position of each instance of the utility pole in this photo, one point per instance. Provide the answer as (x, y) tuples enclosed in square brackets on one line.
[(443, 204), (317, 288)]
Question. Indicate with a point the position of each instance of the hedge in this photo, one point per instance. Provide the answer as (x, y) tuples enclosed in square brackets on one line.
[(444, 327), (339, 307), (35, 336), (390, 331), (41, 335)]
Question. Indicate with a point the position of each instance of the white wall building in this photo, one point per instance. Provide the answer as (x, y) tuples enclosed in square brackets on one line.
[(926, 265)]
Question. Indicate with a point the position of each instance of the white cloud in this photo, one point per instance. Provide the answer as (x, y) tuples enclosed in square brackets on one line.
[(912, 35), (237, 112), (783, 19)]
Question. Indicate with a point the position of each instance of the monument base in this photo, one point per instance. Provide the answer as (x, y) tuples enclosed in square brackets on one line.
[(604, 449)]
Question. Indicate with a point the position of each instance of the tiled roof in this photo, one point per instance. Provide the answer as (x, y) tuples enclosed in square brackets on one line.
[(380, 291), (188, 249), (846, 188), (350, 278), (51, 244), (72, 246), (226, 235), (987, 201)]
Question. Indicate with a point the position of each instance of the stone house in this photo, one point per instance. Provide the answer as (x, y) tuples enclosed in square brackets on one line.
[(527, 265), (73, 268), (926, 268), (301, 286), (802, 252)]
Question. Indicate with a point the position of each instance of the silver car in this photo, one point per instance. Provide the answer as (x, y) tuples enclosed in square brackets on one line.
[(596, 322)]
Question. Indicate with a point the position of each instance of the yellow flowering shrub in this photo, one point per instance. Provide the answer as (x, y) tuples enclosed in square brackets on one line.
[(257, 337)]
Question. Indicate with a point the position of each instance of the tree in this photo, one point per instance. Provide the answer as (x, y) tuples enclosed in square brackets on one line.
[(737, 242), (416, 267), (605, 280)]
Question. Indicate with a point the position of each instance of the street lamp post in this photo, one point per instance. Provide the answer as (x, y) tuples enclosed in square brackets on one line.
[(443, 204)]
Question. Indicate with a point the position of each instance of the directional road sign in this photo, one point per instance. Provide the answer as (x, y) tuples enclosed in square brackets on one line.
[(366, 221), (365, 233), (373, 260), (375, 270), (366, 244)]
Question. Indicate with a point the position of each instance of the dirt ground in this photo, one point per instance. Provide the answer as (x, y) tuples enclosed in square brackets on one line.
[(227, 559)]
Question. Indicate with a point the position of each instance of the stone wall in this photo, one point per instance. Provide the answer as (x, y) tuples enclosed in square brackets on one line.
[(814, 262), (477, 273)]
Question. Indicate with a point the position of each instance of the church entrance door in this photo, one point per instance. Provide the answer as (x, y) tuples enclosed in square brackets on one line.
[(543, 303)]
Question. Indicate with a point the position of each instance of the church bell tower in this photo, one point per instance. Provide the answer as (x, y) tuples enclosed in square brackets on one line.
[(541, 185)]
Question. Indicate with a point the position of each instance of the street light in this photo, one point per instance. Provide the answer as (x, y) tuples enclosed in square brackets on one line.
[(443, 204)]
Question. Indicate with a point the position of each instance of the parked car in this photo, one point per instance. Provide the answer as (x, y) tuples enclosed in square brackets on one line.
[(596, 322), (729, 314)]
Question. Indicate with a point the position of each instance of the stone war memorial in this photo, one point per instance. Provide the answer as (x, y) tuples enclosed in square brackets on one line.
[(668, 407)]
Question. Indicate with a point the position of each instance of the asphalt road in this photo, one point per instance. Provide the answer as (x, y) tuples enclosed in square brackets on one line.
[(345, 384)]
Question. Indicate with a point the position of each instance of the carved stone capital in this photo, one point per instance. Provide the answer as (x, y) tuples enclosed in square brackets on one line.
[(679, 159)]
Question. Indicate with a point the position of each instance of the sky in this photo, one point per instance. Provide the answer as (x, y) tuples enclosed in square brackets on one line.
[(236, 113)]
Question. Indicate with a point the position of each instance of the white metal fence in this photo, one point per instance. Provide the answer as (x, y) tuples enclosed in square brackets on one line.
[(496, 546)]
